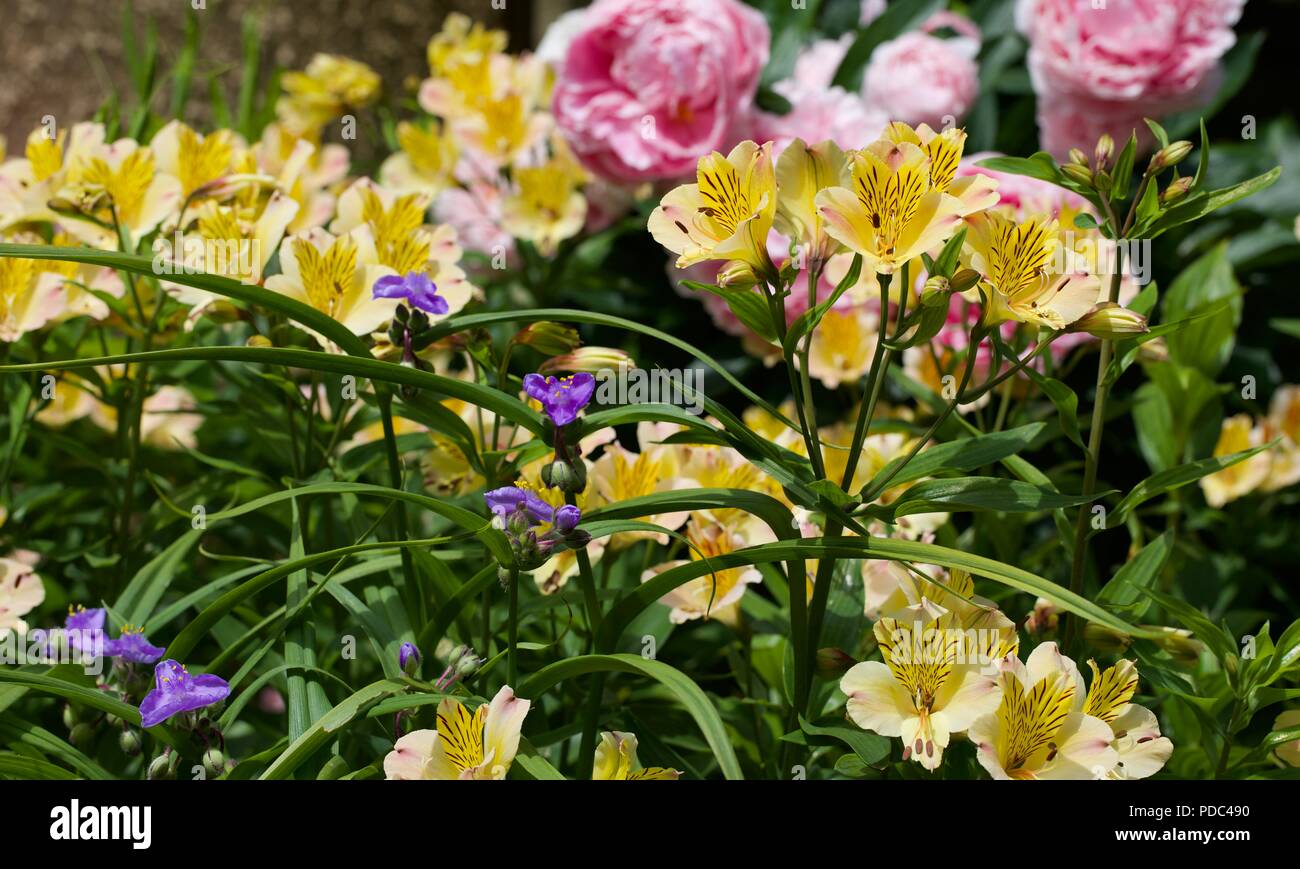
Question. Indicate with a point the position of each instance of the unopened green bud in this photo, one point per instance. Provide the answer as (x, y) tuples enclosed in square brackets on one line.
[(81, 735), (964, 279), (130, 742), (548, 338), (214, 762), (833, 663), (161, 768), (1078, 158), (1171, 155), (1111, 322), (1078, 173), (568, 477), (1176, 190), (1104, 150)]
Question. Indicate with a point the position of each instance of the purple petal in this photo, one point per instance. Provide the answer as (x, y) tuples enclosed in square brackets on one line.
[(535, 385), (389, 287)]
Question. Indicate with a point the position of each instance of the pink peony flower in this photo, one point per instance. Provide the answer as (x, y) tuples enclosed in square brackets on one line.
[(920, 78), (819, 111), (650, 86), (1103, 70)]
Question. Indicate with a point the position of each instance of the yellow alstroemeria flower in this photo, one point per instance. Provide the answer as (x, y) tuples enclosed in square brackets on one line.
[(1040, 730), (1023, 276), (975, 192), (121, 182), (803, 171), (726, 214), (425, 163), (329, 87), (547, 205), (990, 634), (1284, 420), (168, 421), (335, 275), (891, 212), (616, 761), (620, 474), (462, 40), (930, 685), (28, 183), (31, 292), (1142, 750), (305, 170), (21, 591), (714, 595), (403, 242), (230, 240), (465, 745), (1239, 433), (197, 160)]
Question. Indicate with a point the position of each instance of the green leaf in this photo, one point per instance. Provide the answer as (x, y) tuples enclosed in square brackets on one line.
[(695, 701), (1205, 630), (808, 320), (1206, 343), (1065, 401), (965, 454), (869, 747), (146, 588), (976, 494), (1126, 586), (322, 731), (1173, 478), (747, 304), (1198, 205), (71, 691)]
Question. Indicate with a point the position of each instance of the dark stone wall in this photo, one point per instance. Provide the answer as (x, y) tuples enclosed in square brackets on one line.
[(58, 58)]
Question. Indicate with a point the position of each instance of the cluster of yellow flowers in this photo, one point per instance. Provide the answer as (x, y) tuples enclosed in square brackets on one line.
[(1266, 471), (950, 666), (493, 135)]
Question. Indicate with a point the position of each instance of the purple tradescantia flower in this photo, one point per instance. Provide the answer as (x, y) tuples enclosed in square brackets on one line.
[(85, 629), (415, 287), (132, 646), (175, 690), (408, 658), (508, 500), (561, 397)]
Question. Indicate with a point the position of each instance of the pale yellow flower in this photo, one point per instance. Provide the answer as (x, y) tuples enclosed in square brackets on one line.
[(1027, 276), (1239, 432), (616, 761), (802, 171), (168, 421), (891, 212), (930, 686), (335, 275), (1040, 729), (975, 192), (21, 591), (843, 345), (1142, 750), (199, 161), (425, 163), (1284, 421), (121, 182), (726, 214), (465, 745), (303, 169), (29, 183), (546, 205), (715, 595), (329, 87)]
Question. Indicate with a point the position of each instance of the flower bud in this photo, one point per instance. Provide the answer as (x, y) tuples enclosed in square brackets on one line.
[(964, 279), (1155, 350), (570, 478), (258, 341), (81, 735), (214, 762), (577, 539), (408, 658), (1044, 618), (467, 664), (1176, 190), (130, 742), (70, 716), (161, 768), (833, 663), (1102, 181), (567, 518), (1078, 173), (548, 338), (593, 360), (1171, 155), (936, 291), (1110, 322), (1106, 640), (737, 276), (1078, 158), (1105, 149)]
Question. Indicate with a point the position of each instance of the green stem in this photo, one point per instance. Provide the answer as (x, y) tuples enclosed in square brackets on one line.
[(1091, 462), (512, 630), (415, 594)]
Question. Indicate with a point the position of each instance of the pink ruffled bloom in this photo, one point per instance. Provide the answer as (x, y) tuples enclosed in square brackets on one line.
[(920, 78), (819, 111), (650, 86), (1103, 70)]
